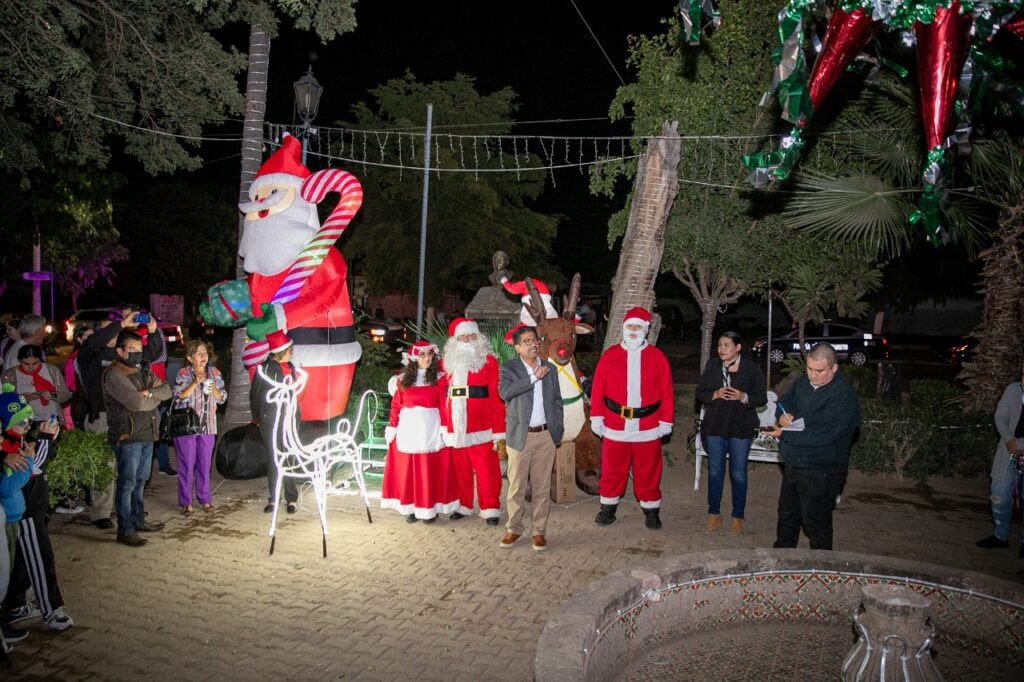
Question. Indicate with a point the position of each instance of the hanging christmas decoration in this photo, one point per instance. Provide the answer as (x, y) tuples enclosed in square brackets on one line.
[(955, 65)]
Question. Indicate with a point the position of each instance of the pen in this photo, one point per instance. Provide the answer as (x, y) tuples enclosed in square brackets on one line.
[(783, 408)]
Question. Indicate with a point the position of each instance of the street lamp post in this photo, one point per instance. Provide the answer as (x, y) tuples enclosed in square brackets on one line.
[(307, 101)]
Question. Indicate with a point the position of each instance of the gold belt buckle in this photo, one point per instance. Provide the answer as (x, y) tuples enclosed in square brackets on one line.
[(626, 412), (459, 391)]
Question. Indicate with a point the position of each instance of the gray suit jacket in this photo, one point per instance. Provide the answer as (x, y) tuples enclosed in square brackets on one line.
[(516, 389)]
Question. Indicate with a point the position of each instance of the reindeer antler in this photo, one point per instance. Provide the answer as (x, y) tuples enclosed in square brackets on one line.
[(569, 304), (536, 305)]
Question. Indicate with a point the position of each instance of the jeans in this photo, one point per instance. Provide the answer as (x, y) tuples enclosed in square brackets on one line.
[(1001, 498), (806, 500), (134, 461), (163, 459), (738, 449)]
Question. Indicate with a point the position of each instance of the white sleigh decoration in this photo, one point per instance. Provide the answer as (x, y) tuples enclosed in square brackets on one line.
[(310, 462)]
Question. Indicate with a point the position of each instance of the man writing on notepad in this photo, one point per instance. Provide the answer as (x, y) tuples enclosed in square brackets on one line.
[(815, 459)]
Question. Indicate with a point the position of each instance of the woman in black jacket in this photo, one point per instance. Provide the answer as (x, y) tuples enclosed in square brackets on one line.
[(731, 390)]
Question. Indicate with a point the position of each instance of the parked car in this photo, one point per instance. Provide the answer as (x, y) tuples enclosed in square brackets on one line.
[(388, 330), (93, 316), (851, 343), (961, 351)]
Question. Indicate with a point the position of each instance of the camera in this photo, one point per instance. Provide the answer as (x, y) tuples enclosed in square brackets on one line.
[(143, 318)]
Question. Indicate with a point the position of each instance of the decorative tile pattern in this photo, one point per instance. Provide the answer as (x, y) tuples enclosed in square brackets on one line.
[(734, 615)]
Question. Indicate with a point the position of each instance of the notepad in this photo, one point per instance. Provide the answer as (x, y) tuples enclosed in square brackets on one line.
[(797, 425)]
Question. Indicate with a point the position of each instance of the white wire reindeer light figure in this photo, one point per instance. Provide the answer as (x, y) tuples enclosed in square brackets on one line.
[(310, 462)]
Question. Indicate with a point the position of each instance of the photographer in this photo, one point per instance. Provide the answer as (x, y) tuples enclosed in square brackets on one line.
[(96, 354)]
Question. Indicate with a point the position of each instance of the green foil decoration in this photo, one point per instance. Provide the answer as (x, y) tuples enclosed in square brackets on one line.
[(769, 167), (928, 213)]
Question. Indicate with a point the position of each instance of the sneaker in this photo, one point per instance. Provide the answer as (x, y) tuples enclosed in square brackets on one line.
[(12, 634), (69, 508), (991, 542), (169, 471), (58, 620), (149, 527), (508, 540), (103, 524), (24, 612)]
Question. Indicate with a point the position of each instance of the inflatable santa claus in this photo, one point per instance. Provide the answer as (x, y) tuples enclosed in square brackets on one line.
[(297, 278)]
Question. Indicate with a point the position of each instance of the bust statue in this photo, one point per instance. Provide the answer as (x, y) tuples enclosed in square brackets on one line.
[(499, 263)]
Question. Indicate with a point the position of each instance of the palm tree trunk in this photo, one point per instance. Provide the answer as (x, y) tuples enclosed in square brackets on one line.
[(654, 192), (997, 359), (252, 155)]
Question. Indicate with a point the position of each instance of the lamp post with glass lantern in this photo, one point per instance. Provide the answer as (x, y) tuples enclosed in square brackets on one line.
[(307, 101)]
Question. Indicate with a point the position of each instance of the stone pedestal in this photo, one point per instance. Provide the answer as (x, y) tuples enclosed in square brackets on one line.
[(492, 303), (895, 637)]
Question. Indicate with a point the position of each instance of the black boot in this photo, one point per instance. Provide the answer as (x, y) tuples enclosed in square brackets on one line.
[(606, 516), (653, 520)]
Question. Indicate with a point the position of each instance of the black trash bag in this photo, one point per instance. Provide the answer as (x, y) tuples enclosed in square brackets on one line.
[(240, 454)]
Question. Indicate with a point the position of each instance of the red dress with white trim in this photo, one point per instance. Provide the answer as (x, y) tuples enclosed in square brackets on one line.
[(419, 477)]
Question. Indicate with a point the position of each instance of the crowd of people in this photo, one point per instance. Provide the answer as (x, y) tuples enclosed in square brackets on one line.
[(454, 415)]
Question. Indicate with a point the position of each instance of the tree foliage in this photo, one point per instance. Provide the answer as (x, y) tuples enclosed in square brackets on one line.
[(79, 75), (469, 217)]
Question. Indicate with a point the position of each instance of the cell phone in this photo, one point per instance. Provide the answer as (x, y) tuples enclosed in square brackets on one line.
[(52, 420), (142, 318)]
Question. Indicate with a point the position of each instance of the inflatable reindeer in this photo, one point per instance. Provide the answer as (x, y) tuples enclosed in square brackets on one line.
[(558, 345)]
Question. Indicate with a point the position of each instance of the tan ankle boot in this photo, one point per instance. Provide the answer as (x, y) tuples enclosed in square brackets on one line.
[(737, 526), (714, 521)]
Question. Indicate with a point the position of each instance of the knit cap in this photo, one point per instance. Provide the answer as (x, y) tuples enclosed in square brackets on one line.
[(13, 408)]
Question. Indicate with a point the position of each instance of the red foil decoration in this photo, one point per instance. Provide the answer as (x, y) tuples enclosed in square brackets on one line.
[(941, 50), (846, 36), (1016, 25)]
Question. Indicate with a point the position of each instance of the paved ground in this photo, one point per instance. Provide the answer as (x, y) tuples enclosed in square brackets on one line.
[(397, 601)]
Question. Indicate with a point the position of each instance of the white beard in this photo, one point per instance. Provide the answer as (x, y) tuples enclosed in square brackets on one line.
[(462, 358), (269, 245), (633, 340)]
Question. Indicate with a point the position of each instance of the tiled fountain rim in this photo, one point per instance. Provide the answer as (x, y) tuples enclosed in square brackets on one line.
[(577, 627)]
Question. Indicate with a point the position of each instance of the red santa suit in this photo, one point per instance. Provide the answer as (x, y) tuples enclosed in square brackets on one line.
[(474, 421), (632, 407), (419, 476), (298, 278)]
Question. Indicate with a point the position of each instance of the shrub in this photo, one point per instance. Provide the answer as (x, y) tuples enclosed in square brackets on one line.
[(82, 460), (928, 437)]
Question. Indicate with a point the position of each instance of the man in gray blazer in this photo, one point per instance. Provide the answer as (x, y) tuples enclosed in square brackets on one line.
[(533, 429)]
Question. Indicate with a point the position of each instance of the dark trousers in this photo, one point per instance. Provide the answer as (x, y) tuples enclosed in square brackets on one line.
[(34, 564), (806, 501), (289, 488)]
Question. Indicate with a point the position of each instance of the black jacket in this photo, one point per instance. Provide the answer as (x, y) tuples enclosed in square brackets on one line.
[(95, 355), (731, 418), (831, 416)]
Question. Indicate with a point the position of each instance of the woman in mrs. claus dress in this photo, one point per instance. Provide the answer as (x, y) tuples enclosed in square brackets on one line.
[(419, 479)]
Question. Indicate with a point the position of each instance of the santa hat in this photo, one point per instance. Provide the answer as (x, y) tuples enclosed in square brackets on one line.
[(13, 408), (637, 315), (279, 341), (519, 289), (462, 325), (413, 353), (509, 334), (286, 162)]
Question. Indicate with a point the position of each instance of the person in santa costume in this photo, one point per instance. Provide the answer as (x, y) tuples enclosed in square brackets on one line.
[(631, 407), (473, 418), (419, 476), (297, 281)]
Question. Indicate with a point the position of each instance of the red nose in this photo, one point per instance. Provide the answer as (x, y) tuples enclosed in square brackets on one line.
[(563, 353)]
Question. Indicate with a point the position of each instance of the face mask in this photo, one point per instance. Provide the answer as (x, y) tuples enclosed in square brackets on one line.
[(134, 359)]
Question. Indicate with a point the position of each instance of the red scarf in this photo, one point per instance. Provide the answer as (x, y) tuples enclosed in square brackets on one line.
[(40, 382)]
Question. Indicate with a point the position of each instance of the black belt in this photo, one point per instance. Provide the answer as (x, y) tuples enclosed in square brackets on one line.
[(631, 412), (467, 392), (322, 336), (538, 429)]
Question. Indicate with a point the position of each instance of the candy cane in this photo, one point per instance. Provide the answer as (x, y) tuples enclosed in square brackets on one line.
[(313, 189)]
